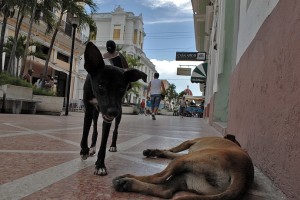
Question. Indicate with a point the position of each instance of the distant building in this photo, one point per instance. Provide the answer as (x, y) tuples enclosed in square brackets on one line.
[(187, 91), (127, 30)]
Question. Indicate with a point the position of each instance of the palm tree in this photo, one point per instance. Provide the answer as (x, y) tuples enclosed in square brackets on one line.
[(37, 8), (133, 61), (23, 6), (74, 8), (19, 52), (6, 9), (171, 93)]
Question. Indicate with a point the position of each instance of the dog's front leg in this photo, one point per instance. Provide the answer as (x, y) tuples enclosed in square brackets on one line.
[(95, 133), (88, 117), (100, 168), (113, 146)]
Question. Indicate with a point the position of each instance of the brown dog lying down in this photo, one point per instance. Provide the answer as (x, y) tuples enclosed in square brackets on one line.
[(215, 168)]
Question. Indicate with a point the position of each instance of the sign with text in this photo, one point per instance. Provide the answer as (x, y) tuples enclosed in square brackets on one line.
[(191, 56), (184, 71)]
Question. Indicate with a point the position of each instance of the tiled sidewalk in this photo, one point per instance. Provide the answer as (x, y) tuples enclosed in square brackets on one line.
[(40, 156)]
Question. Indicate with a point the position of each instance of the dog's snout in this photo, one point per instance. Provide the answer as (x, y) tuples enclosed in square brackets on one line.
[(112, 112)]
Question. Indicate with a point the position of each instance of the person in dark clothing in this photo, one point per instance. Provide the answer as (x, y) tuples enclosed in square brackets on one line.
[(114, 57)]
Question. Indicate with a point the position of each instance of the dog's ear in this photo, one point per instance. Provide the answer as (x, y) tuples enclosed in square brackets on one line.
[(231, 138), (93, 60), (133, 75)]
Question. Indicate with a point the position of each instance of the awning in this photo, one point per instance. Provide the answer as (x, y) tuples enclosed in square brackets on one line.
[(51, 65), (199, 74)]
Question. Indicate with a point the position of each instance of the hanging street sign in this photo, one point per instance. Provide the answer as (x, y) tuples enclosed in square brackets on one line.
[(191, 56), (184, 71)]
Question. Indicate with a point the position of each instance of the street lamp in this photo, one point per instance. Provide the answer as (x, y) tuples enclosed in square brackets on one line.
[(74, 22)]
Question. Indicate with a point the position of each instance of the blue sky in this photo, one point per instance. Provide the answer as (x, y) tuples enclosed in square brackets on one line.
[(169, 27)]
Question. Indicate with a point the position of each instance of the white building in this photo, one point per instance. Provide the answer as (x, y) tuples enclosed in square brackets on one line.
[(127, 31)]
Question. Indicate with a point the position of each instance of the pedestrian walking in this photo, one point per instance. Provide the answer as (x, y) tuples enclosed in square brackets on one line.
[(142, 107), (28, 77), (148, 106), (155, 88), (182, 106)]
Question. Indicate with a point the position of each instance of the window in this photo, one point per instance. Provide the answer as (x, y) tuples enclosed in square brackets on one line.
[(41, 51), (135, 36), (117, 32), (140, 37), (62, 57)]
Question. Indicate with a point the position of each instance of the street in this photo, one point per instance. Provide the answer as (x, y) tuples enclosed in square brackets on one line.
[(40, 156)]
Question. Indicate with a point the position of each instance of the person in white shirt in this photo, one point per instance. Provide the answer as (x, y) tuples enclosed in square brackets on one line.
[(182, 106), (155, 88), (38, 83)]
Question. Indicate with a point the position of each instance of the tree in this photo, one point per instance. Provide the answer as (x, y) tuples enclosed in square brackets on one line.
[(7, 10), (133, 61), (74, 8), (181, 94), (36, 9), (22, 9), (19, 52), (171, 93)]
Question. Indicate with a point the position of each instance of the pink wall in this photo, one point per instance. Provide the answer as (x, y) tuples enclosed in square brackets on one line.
[(264, 108)]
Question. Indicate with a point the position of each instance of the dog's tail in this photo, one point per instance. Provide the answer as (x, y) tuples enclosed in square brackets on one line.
[(236, 189)]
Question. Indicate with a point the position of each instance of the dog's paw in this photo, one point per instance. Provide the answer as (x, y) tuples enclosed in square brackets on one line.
[(147, 152), (100, 172), (84, 157), (150, 152), (113, 149), (154, 153), (92, 151), (122, 184), (84, 153)]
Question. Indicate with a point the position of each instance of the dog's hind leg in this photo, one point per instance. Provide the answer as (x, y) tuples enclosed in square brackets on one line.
[(174, 167), (113, 146), (100, 168), (161, 153), (95, 132), (88, 117), (183, 146), (170, 153)]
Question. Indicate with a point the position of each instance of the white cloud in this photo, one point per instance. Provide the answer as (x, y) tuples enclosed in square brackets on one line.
[(162, 3), (167, 21), (181, 5), (169, 68)]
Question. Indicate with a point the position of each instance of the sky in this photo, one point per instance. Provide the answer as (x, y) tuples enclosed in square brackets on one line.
[(169, 28)]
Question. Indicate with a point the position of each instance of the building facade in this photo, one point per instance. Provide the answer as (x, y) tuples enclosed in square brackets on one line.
[(252, 86), (59, 64), (127, 30)]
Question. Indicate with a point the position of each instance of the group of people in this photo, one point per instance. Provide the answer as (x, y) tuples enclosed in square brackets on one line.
[(145, 106), (49, 81)]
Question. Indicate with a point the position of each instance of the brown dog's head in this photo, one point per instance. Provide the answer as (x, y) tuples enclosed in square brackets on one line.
[(231, 138), (109, 83)]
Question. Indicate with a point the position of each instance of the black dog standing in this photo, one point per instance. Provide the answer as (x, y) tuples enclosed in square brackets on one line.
[(115, 58), (104, 89)]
